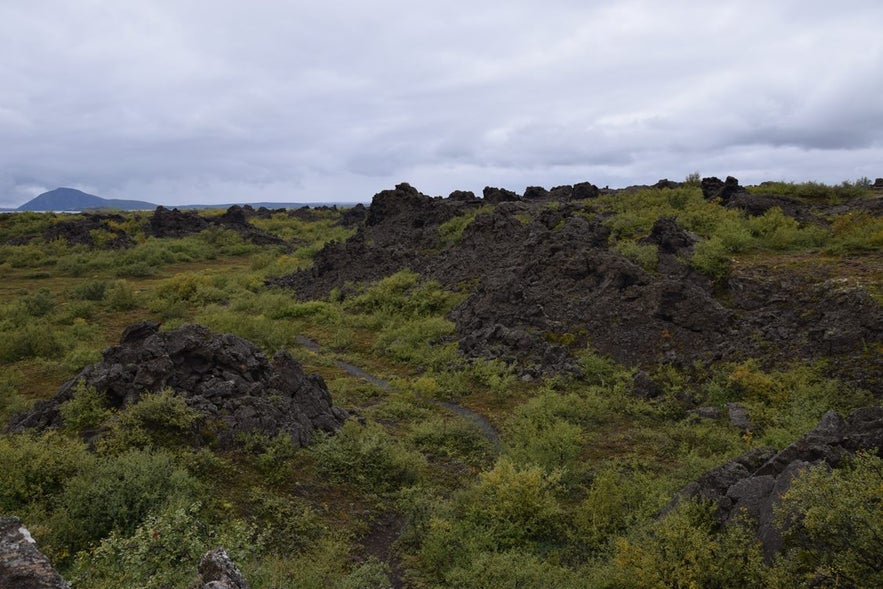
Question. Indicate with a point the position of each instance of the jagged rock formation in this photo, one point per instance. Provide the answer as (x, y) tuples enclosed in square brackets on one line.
[(225, 378), (22, 565), (82, 231), (755, 482), (175, 223), (539, 275)]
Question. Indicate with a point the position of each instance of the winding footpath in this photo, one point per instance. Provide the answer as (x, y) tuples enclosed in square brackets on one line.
[(477, 419)]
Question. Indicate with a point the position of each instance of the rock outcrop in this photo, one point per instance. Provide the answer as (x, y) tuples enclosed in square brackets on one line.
[(174, 223), (755, 482), (22, 565), (85, 231), (227, 379), (218, 571), (541, 272)]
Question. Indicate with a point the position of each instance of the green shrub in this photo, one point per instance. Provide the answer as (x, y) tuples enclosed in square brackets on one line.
[(495, 374), (162, 552), (510, 570), (86, 409), (645, 256), (814, 190), (453, 438), (833, 522), (855, 232), (367, 457), (92, 290), (413, 341), (35, 467), (693, 179), (272, 453), (712, 257), (621, 496), (121, 296), (451, 231), (546, 431), (328, 564), (598, 369), (197, 289), (516, 506), (287, 524), (36, 339), (116, 495), (684, 549), (157, 420), (403, 295), (39, 304), (777, 231)]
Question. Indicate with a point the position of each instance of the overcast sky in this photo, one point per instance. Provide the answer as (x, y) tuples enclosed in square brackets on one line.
[(183, 101)]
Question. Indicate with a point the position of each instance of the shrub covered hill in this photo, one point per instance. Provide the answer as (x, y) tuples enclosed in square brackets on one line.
[(674, 385)]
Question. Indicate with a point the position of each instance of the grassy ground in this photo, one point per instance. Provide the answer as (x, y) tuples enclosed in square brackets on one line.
[(415, 495)]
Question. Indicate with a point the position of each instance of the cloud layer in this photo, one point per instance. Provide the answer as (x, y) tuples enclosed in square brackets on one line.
[(218, 101)]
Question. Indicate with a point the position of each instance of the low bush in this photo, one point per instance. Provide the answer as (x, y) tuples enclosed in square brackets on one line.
[(645, 256), (833, 522), (157, 420), (547, 431), (327, 564), (116, 494), (451, 231), (122, 296), (367, 457), (35, 467), (86, 409), (685, 549), (36, 339), (815, 190), (91, 290), (453, 438), (516, 506), (402, 295), (511, 568), (162, 551)]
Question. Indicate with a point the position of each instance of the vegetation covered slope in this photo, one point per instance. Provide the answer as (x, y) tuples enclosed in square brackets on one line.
[(547, 316)]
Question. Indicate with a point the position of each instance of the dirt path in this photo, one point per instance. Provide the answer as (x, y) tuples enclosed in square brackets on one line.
[(477, 419)]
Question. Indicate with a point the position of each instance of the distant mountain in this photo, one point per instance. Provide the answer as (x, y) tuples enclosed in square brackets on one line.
[(71, 199)]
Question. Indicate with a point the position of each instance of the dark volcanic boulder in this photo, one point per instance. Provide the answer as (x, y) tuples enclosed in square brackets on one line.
[(493, 195), (584, 190), (666, 183), (225, 378), (236, 218), (174, 223), (463, 195), (755, 482), (354, 216), (669, 237), (715, 188), (535, 193)]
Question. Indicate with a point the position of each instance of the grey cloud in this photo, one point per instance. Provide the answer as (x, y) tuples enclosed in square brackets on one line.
[(200, 100)]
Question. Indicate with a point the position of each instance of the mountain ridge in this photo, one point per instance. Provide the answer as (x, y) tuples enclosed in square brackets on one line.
[(71, 199)]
